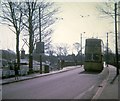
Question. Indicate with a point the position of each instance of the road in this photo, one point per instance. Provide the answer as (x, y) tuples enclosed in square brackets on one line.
[(73, 84)]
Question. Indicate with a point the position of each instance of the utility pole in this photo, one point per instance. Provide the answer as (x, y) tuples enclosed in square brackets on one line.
[(40, 39), (116, 45), (107, 51), (82, 16), (81, 49)]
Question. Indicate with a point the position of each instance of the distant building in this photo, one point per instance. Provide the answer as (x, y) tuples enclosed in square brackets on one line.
[(8, 55)]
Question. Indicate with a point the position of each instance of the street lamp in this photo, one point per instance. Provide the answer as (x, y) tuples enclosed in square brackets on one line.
[(107, 49), (81, 35), (81, 47)]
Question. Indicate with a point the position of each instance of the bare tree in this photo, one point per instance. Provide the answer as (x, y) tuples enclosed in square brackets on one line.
[(113, 12), (65, 49), (32, 20), (12, 16), (107, 9), (62, 49), (77, 47), (27, 14), (28, 10), (47, 19), (51, 50)]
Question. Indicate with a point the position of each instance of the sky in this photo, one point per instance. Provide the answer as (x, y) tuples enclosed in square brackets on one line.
[(69, 29)]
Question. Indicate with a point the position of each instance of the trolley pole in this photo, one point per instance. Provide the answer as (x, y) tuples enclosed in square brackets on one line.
[(116, 45)]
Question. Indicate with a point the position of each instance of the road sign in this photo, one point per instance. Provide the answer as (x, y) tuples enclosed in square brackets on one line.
[(40, 47)]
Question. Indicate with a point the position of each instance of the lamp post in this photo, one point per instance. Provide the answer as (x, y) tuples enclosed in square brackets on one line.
[(81, 37), (81, 48), (107, 49)]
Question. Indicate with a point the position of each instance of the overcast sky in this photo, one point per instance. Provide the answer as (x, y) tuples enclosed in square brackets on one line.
[(69, 29)]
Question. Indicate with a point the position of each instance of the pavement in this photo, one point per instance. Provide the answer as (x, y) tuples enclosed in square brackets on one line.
[(35, 75), (108, 89)]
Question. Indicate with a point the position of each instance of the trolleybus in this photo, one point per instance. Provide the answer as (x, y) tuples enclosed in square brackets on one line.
[(93, 55)]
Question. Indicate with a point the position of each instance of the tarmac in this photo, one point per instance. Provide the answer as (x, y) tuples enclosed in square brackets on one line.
[(35, 75), (108, 89)]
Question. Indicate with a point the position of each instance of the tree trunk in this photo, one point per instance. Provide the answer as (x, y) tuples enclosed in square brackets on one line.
[(17, 50), (30, 45), (30, 53)]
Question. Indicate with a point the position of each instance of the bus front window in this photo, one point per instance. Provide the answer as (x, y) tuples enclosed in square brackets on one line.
[(95, 57), (92, 57)]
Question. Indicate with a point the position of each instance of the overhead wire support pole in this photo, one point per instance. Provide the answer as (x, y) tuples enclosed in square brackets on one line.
[(107, 51), (116, 45), (40, 39), (81, 48), (81, 39)]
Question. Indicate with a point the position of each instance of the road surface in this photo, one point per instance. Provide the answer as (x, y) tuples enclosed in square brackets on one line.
[(73, 84)]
